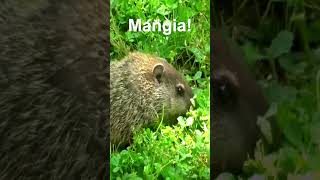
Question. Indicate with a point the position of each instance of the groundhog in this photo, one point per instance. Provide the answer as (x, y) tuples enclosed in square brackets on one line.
[(53, 89), (143, 88), (237, 103)]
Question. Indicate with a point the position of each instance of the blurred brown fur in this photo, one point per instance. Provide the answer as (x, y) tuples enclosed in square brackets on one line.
[(237, 103), (53, 81)]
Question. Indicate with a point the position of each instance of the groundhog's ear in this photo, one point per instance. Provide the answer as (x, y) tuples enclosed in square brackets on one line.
[(158, 70)]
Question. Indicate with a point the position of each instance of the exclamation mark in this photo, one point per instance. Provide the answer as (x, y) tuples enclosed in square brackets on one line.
[(189, 25)]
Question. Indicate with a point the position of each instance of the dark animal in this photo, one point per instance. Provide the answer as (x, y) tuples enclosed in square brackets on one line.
[(237, 103), (53, 90), (142, 88)]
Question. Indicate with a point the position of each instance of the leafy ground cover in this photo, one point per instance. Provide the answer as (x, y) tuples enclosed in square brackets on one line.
[(281, 43), (173, 152)]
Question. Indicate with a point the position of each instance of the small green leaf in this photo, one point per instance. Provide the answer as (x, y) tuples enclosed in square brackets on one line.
[(252, 53), (198, 75), (163, 10), (265, 128), (189, 121), (281, 44), (257, 176), (291, 67), (198, 53), (116, 169), (226, 176)]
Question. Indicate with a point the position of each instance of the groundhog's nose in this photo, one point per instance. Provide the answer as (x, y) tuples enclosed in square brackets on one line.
[(189, 102)]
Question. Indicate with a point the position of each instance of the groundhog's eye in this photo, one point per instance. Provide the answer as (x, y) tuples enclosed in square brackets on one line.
[(224, 92), (180, 89)]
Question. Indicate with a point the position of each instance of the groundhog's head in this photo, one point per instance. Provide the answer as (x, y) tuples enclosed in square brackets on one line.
[(169, 89), (230, 123), (176, 92)]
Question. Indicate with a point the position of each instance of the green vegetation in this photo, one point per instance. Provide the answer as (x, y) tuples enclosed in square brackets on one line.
[(281, 44), (169, 152), (180, 151)]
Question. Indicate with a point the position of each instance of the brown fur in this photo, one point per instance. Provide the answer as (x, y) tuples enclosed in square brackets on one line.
[(137, 98), (53, 99), (238, 101)]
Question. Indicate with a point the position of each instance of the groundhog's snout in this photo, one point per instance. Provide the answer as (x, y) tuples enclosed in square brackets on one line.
[(189, 97), (189, 103)]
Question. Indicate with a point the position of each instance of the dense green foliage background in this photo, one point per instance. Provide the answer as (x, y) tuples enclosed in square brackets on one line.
[(180, 151), (281, 43)]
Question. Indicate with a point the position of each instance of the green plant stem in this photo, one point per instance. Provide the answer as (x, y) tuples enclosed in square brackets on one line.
[(273, 68), (162, 116), (266, 11), (318, 89)]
